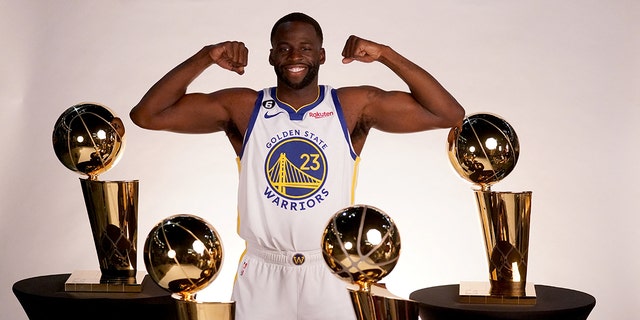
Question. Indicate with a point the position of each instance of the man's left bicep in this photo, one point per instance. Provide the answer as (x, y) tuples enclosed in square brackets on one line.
[(399, 112)]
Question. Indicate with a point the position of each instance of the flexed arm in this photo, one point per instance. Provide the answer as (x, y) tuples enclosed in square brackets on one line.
[(428, 105), (167, 106)]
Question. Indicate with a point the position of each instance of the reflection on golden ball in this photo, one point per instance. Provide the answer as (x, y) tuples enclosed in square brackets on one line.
[(361, 244), (484, 149), (183, 254), (88, 139)]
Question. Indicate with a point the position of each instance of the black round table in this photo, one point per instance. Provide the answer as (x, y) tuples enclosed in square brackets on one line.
[(552, 303), (44, 297)]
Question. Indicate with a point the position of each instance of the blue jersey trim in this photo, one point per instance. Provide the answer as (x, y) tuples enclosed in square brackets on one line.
[(343, 122), (298, 114), (252, 121)]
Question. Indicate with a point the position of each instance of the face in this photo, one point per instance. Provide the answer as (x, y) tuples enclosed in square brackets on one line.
[(296, 54)]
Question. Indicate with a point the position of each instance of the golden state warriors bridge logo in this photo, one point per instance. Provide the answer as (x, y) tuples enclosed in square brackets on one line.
[(296, 169)]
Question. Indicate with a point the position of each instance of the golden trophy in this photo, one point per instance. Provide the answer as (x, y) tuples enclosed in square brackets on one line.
[(89, 139), (361, 245), (484, 149), (183, 254)]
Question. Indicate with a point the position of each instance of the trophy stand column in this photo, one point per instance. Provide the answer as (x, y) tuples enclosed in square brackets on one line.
[(204, 310), (505, 220), (378, 304), (113, 216)]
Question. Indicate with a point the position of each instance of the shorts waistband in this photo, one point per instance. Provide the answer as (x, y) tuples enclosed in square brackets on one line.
[(286, 257)]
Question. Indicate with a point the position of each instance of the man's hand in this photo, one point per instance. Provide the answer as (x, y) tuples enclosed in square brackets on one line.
[(230, 55), (361, 50)]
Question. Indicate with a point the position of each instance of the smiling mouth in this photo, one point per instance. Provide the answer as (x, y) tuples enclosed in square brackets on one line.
[(296, 69), (296, 75)]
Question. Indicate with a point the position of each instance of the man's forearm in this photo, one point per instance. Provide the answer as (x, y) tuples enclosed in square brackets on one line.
[(425, 89), (171, 87)]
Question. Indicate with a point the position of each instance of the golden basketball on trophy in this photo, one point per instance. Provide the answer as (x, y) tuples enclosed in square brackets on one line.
[(484, 149), (89, 139)]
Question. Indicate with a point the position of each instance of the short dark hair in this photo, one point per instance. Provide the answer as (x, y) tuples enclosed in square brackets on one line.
[(297, 17)]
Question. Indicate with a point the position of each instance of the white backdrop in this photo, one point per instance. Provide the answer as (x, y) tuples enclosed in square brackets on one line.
[(563, 73)]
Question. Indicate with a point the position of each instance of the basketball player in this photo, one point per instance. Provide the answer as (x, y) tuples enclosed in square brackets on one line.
[(298, 147)]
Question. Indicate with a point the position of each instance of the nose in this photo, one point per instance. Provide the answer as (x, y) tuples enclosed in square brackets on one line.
[(295, 55)]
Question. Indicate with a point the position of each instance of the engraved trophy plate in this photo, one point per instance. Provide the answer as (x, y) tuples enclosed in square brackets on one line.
[(93, 281), (479, 292), (89, 139), (361, 245), (484, 149)]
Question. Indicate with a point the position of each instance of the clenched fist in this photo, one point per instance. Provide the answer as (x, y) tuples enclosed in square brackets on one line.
[(230, 55), (361, 50)]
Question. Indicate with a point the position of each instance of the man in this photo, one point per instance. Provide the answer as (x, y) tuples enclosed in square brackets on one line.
[(298, 146)]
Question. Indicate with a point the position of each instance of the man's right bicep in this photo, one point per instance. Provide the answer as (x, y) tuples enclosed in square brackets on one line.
[(195, 113)]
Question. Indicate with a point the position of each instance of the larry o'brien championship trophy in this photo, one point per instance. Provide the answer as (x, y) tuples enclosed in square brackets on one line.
[(361, 245), (183, 254), (89, 139), (484, 149)]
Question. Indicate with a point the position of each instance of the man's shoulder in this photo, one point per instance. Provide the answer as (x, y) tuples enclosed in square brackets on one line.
[(237, 92), (235, 97), (354, 96), (356, 90)]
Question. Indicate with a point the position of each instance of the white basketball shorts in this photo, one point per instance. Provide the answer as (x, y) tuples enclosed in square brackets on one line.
[(273, 285)]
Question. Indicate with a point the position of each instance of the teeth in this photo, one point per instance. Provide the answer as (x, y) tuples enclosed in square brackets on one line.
[(296, 69)]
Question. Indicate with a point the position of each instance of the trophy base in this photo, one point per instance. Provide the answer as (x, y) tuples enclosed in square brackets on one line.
[(93, 281), (379, 303), (202, 310), (474, 292)]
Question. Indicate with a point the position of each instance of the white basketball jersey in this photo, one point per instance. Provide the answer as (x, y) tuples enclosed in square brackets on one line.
[(297, 169)]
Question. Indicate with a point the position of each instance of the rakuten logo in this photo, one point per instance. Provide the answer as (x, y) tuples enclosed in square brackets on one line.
[(319, 115)]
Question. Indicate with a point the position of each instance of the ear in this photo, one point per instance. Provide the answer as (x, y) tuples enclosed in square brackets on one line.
[(323, 57), (270, 58)]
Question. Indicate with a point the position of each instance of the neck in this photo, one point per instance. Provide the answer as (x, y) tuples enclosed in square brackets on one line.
[(298, 98)]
